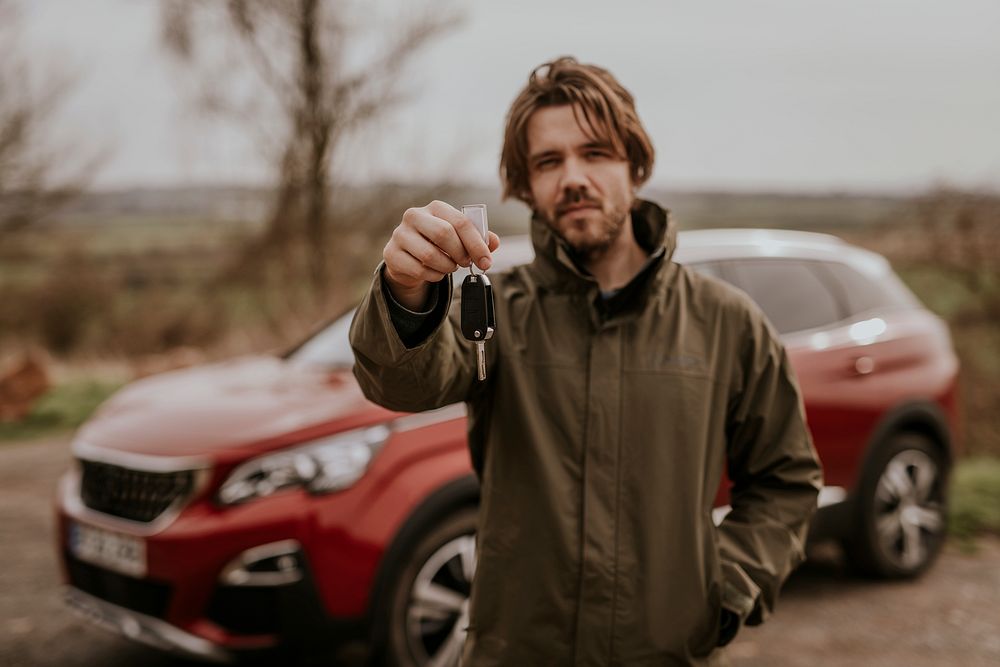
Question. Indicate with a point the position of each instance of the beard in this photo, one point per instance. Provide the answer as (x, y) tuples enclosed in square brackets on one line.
[(590, 231)]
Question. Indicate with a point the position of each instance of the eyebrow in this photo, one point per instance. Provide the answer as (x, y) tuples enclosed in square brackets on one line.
[(544, 154), (598, 143), (606, 145)]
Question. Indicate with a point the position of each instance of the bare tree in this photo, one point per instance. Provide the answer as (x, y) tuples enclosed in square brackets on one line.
[(35, 176), (304, 55)]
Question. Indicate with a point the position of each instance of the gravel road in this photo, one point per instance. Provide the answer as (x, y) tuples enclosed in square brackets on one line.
[(949, 617)]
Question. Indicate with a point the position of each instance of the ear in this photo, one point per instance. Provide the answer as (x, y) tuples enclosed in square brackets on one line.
[(635, 176)]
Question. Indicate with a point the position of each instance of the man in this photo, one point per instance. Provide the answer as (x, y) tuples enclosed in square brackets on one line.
[(620, 385)]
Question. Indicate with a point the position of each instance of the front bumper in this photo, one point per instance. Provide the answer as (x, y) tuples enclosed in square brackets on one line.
[(218, 586), (142, 628)]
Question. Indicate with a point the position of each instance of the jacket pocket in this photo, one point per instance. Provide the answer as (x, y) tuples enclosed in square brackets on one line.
[(703, 643), (705, 639)]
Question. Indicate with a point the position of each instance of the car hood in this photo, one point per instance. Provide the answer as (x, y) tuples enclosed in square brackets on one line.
[(251, 402)]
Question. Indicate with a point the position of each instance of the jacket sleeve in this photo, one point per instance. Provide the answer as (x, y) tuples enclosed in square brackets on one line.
[(775, 476), (438, 371)]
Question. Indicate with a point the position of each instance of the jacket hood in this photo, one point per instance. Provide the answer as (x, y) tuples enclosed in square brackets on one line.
[(557, 264)]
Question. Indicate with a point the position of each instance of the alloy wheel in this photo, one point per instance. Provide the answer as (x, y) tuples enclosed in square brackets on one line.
[(437, 613), (908, 509)]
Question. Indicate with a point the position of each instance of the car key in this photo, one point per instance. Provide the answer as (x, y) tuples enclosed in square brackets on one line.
[(478, 315)]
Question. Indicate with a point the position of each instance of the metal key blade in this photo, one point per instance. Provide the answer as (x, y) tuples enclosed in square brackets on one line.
[(481, 359)]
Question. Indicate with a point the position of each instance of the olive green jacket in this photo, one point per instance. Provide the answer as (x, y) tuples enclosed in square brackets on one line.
[(601, 435)]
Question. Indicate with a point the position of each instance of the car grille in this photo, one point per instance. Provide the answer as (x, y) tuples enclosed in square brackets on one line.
[(142, 595), (132, 494)]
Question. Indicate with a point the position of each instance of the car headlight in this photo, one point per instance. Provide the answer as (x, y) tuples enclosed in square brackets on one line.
[(320, 466)]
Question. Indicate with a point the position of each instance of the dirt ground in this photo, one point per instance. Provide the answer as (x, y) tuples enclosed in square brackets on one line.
[(826, 617)]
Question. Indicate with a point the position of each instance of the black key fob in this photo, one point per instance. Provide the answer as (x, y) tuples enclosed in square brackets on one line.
[(478, 317)]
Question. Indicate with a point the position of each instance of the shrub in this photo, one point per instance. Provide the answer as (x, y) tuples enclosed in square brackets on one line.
[(975, 497)]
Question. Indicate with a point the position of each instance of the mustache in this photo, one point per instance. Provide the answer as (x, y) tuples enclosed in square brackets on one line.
[(575, 199)]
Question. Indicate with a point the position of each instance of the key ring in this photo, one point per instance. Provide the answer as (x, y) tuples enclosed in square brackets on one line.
[(477, 215)]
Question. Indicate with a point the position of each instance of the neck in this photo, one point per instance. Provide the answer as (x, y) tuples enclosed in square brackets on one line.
[(620, 262)]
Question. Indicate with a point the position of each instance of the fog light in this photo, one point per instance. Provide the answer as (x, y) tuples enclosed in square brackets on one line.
[(274, 564)]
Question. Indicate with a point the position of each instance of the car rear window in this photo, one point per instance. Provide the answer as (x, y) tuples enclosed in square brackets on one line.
[(791, 293), (862, 293)]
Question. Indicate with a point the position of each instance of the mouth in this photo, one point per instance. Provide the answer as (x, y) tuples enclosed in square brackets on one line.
[(581, 206)]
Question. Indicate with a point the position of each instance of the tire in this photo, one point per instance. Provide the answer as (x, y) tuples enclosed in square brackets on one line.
[(900, 509), (427, 614)]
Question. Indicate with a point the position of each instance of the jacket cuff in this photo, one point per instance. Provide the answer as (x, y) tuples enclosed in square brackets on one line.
[(415, 326), (729, 625), (740, 595)]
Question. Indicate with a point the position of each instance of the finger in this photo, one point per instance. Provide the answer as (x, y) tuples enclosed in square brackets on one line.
[(438, 231), (474, 244), (426, 252), (442, 233), (494, 242), (406, 264)]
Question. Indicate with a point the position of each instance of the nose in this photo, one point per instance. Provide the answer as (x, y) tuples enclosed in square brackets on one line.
[(574, 176)]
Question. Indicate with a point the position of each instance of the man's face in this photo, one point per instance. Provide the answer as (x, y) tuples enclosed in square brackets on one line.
[(580, 186)]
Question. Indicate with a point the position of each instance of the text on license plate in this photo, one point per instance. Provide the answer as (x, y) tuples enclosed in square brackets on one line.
[(121, 553)]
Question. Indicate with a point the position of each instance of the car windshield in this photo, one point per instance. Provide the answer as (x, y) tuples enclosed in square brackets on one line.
[(330, 348)]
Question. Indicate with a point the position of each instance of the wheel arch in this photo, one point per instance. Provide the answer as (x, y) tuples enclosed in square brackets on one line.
[(457, 494), (922, 417), (925, 421)]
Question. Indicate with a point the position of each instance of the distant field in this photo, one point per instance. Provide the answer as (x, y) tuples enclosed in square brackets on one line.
[(246, 207), (828, 213), (129, 238), (695, 210)]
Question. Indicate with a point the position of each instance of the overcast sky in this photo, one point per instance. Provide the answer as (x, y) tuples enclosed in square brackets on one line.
[(781, 94)]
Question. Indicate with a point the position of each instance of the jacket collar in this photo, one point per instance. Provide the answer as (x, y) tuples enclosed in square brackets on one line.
[(557, 265)]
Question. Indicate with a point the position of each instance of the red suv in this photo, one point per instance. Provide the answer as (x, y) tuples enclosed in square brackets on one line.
[(263, 503)]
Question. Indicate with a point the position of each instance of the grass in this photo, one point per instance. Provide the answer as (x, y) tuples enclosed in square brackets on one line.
[(975, 498), (63, 408)]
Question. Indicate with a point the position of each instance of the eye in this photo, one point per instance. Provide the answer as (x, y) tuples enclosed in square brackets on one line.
[(597, 153), (546, 163)]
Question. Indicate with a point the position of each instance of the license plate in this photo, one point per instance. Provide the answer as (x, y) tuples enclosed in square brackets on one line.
[(121, 553)]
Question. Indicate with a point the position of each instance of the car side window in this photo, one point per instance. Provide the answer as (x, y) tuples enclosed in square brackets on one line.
[(790, 292)]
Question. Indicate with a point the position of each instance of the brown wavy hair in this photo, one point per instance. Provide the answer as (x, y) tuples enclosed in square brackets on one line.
[(608, 113)]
